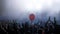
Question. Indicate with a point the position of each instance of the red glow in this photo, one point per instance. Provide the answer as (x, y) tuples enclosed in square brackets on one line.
[(32, 17)]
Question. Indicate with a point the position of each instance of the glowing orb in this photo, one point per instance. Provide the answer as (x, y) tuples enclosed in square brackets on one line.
[(31, 17)]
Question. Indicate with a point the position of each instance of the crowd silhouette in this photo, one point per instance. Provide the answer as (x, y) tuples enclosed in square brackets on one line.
[(6, 27)]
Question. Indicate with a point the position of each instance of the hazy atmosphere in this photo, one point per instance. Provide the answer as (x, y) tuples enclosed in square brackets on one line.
[(21, 9)]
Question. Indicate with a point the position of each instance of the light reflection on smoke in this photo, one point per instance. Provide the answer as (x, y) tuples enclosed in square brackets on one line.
[(16, 9)]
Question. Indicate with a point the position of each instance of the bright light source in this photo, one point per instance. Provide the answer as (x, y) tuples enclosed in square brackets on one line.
[(32, 5)]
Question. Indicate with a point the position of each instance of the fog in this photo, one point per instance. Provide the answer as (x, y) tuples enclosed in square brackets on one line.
[(20, 9)]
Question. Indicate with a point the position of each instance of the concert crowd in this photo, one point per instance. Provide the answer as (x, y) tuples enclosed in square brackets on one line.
[(50, 27)]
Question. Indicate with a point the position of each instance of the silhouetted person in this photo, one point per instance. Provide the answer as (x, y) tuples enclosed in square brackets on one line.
[(49, 25)]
